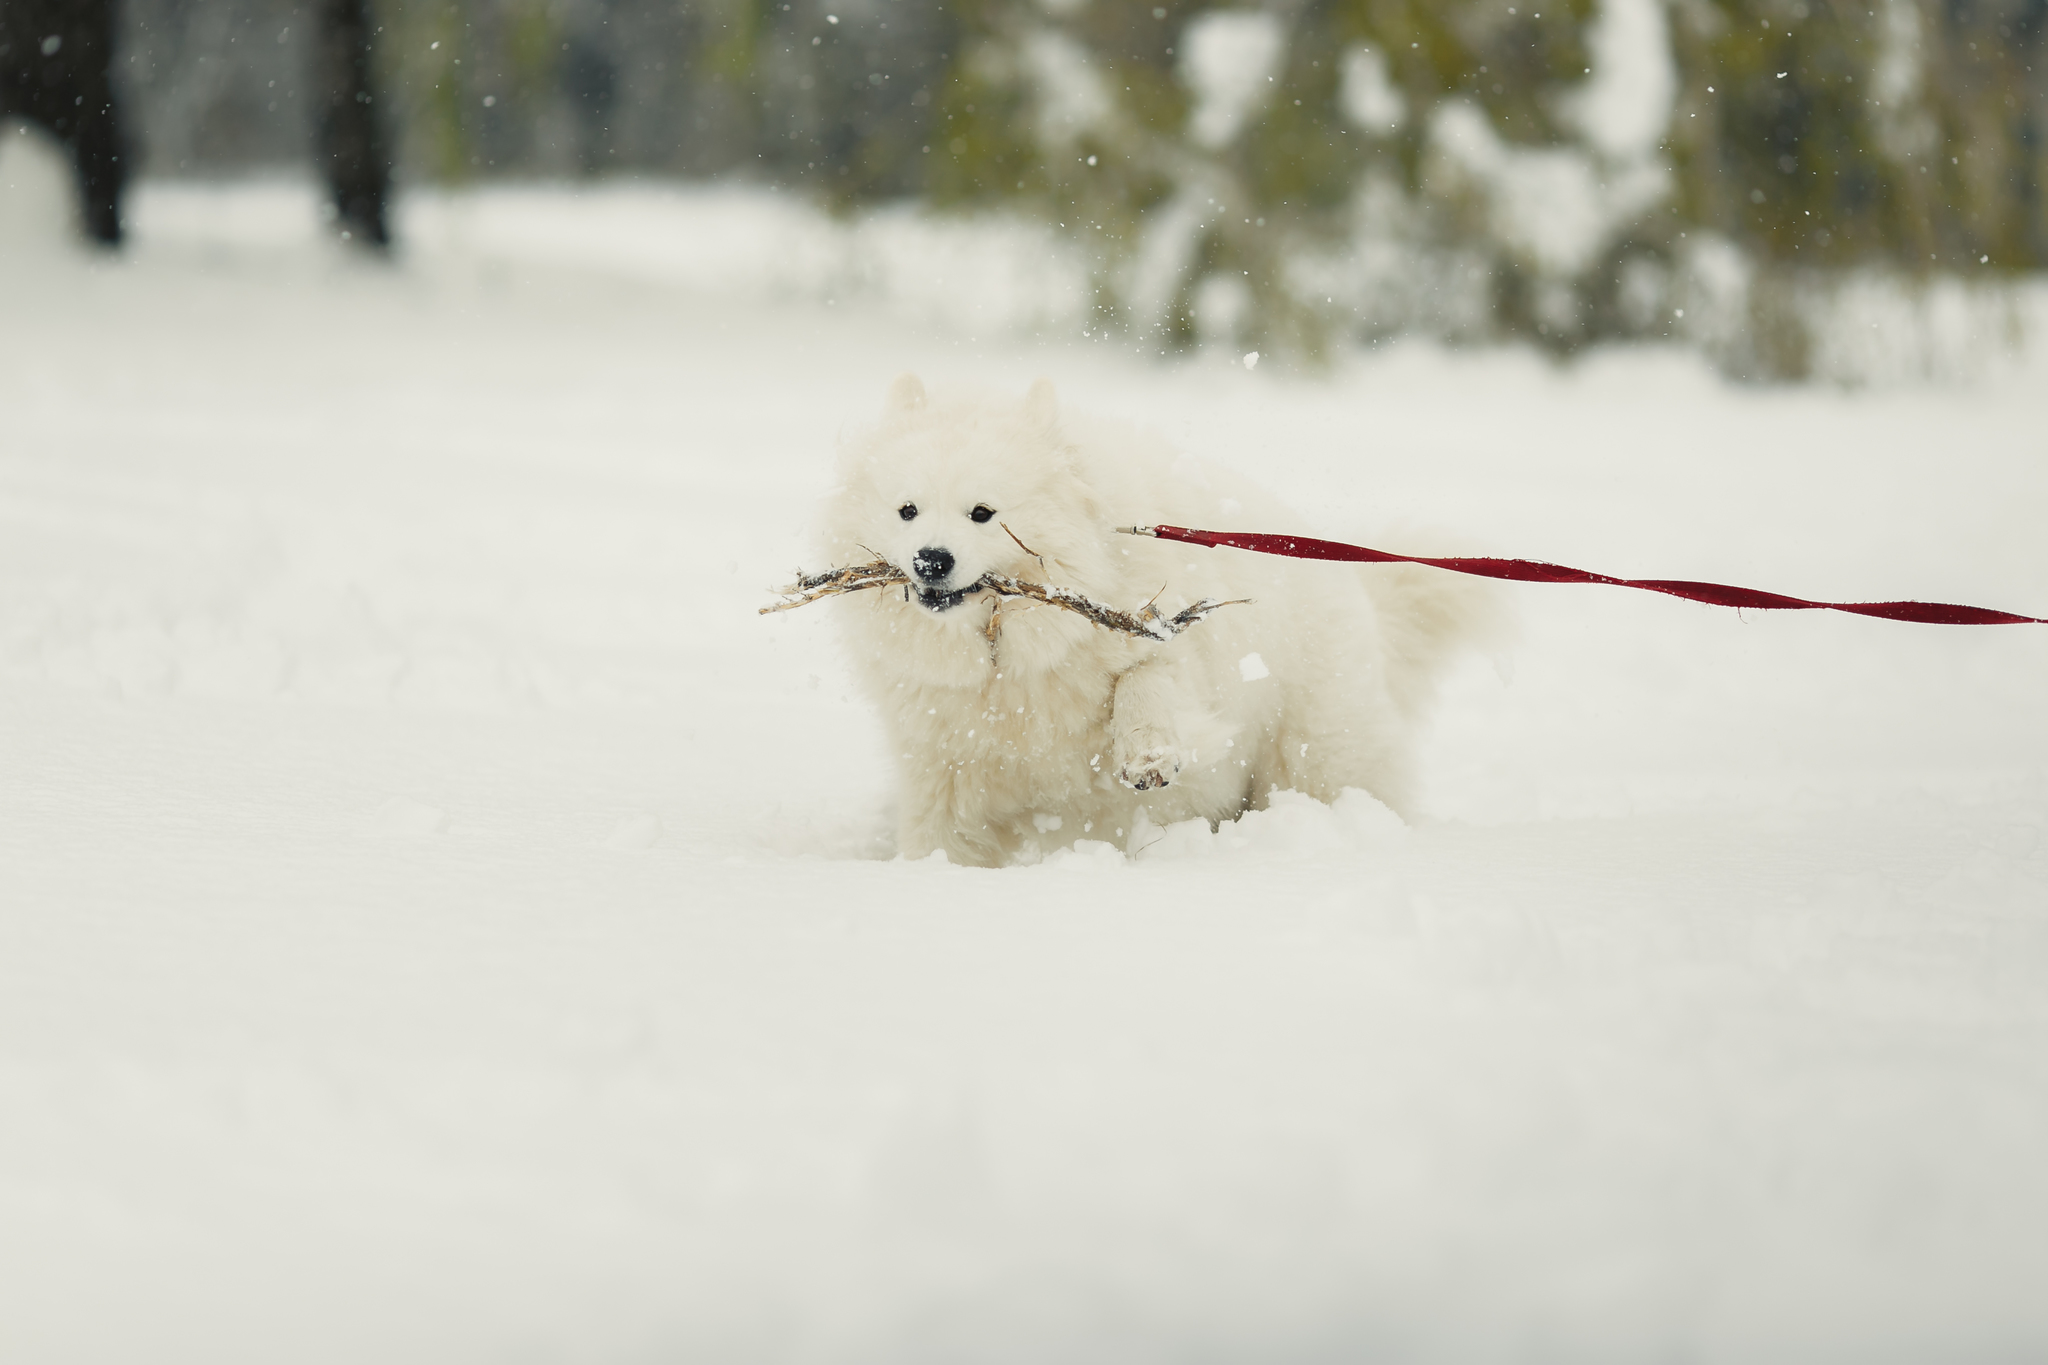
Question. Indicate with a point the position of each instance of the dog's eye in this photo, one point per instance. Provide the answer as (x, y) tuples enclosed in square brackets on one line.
[(908, 511), (981, 514)]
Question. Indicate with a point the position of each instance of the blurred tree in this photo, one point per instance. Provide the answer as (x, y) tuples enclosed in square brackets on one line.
[(846, 90), (55, 60), (348, 144), (1907, 134), (429, 43), (1904, 136), (1205, 150), (1273, 173)]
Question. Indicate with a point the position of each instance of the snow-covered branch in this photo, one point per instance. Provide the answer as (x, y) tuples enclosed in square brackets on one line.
[(1147, 622)]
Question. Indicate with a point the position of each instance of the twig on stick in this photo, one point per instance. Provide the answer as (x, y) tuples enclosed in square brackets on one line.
[(1148, 622), (1022, 546)]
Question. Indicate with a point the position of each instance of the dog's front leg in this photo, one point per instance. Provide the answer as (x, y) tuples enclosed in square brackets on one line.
[(1152, 720), (939, 812), (920, 833)]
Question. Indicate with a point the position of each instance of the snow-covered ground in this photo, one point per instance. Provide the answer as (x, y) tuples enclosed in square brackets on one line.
[(441, 922)]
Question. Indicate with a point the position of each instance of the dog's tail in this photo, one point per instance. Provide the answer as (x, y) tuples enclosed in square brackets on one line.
[(1428, 618)]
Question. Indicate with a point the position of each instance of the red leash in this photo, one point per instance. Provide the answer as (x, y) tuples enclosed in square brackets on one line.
[(1533, 571)]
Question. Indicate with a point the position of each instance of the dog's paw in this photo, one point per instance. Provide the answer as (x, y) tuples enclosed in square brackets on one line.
[(1149, 768)]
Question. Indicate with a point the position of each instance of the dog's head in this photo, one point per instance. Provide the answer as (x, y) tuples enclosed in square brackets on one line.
[(948, 492)]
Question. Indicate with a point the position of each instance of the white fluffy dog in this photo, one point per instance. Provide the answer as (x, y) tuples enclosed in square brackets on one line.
[(1047, 729)]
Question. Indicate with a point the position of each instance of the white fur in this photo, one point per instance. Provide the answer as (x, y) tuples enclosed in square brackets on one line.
[(1060, 730)]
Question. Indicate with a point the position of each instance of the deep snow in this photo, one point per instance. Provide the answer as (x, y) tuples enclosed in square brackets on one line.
[(440, 921)]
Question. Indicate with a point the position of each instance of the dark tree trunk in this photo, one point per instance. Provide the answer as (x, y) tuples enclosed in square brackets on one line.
[(56, 58), (348, 145)]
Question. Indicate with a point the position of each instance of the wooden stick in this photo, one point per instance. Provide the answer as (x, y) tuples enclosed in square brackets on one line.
[(1147, 623)]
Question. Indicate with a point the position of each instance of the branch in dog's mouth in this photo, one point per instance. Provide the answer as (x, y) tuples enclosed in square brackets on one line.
[(1146, 623)]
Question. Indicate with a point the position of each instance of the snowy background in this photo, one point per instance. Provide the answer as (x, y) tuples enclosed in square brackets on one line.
[(441, 922)]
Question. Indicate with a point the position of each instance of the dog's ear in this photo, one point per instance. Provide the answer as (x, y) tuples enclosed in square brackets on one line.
[(905, 395), (1041, 408)]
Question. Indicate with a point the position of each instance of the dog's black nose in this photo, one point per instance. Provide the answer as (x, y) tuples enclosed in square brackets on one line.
[(932, 564)]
